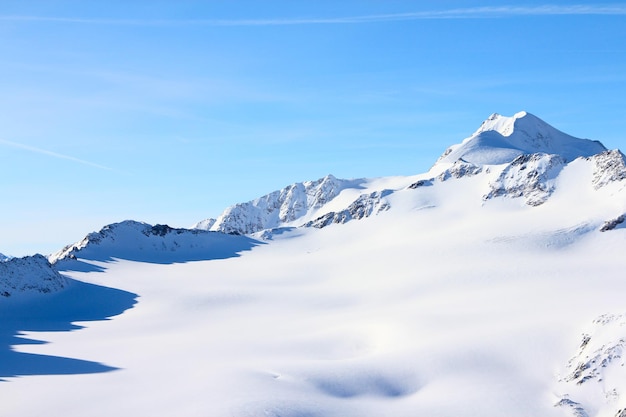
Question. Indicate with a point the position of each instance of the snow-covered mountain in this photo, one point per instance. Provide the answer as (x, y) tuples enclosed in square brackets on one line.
[(30, 274), (133, 240), (493, 284), (501, 139), (518, 157), (291, 206)]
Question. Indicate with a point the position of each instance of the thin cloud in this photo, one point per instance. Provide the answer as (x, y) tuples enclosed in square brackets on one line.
[(459, 13), (53, 154)]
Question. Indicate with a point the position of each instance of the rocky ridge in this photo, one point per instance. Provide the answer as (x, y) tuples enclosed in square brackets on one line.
[(30, 274), (279, 208), (140, 241), (597, 370), (364, 206)]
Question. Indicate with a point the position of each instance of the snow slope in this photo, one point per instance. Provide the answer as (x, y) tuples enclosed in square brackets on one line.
[(472, 289)]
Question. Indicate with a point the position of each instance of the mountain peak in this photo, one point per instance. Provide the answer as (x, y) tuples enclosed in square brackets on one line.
[(501, 139), (293, 205)]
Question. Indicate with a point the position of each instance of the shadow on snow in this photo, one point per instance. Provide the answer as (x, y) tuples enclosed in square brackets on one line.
[(54, 313), (207, 247), (82, 301)]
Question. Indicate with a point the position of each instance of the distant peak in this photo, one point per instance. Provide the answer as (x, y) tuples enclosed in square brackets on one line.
[(500, 139)]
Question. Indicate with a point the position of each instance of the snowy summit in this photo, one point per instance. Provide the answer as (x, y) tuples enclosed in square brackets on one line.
[(501, 139)]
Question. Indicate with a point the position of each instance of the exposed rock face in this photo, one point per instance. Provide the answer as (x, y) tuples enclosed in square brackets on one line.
[(528, 176), (460, 169), (613, 223), (364, 206), (421, 183), (597, 372), (599, 349), (30, 274), (609, 167)]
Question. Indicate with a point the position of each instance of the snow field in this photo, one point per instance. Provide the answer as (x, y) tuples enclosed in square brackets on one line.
[(470, 309)]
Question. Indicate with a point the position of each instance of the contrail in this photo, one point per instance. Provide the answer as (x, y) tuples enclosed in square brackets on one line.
[(459, 13), (53, 154)]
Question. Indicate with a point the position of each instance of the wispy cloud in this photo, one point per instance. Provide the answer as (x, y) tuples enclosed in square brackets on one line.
[(458, 13), (53, 154)]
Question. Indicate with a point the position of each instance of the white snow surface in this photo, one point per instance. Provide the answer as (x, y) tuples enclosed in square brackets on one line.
[(465, 293)]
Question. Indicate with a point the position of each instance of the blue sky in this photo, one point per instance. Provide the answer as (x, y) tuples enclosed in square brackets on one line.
[(169, 111)]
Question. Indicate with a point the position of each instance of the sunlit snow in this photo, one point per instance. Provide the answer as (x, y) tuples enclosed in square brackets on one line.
[(475, 289)]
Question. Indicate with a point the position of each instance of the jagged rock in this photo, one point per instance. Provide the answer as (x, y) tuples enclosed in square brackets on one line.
[(613, 223), (33, 274), (364, 206), (576, 409), (460, 169), (278, 208), (609, 167), (600, 360), (421, 183), (529, 176)]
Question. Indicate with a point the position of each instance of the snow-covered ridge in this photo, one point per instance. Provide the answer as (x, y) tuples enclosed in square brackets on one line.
[(30, 274), (529, 176), (364, 206), (159, 243), (609, 167), (501, 139), (291, 206), (525, 153)]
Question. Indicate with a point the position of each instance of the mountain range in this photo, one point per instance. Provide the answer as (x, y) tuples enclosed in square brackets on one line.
[(517, 230)]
